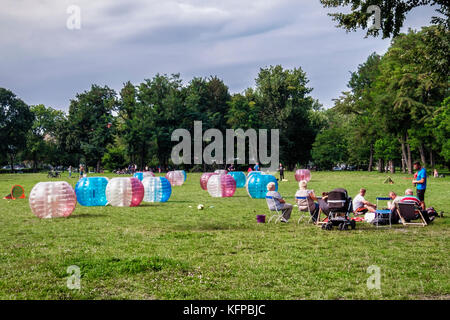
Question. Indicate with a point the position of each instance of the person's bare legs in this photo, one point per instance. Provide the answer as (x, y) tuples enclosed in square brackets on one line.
[(370, 208)]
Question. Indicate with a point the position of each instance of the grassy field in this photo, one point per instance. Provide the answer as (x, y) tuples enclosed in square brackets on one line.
[(174, 251)]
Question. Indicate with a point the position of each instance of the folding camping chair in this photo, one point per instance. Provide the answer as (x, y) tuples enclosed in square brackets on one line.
[(381, 212), (309, 211), (276, 214), (407, 212)]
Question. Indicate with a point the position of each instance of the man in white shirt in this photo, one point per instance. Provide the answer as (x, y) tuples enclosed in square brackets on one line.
[(360, 205)]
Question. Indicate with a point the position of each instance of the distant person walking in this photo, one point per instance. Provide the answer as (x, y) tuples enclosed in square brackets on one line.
[(281, 169), (70, 171), (420, 182)]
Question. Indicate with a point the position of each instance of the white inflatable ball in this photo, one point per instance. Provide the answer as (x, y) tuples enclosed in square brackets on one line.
[(52, 199), (176, 178), (124, 192)]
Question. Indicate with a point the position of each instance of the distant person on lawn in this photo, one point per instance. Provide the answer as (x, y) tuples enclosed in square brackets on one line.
[(361, 205), (420, 182), (281, 169), (279, 202)]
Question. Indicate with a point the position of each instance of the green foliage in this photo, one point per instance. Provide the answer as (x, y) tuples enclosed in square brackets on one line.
[(330, 148), (114, 158), (16, 121), (392, 14), (89, 117)]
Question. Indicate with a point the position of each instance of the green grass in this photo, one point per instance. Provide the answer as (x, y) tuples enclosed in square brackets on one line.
[(172, 251)]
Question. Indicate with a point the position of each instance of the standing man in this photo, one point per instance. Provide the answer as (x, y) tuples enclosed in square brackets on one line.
[(281, 169), (420, 182), (256, 167)]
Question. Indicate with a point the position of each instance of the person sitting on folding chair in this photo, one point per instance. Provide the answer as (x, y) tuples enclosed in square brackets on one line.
[(278, 202), (307, 204), (410, 198), (361, 205)]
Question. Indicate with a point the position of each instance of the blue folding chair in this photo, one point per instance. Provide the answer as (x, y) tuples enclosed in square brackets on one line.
[(309, 211), (381, 212), (276, 214)]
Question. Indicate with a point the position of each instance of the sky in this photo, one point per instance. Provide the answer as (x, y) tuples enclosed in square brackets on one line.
[(46, 59)]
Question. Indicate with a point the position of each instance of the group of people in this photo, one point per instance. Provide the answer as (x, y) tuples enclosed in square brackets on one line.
[(306, 200)]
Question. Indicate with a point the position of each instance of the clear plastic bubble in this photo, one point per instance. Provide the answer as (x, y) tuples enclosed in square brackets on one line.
[(204, 179), (257, 185), (156, 189), (124, 192), (239, 177), (221, 185), (52, 199), (92, 191), (176, 178), (142, 175), (221, 171), (302, 174)]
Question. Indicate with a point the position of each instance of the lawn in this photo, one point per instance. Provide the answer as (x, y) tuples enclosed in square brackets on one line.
[(174, 251)]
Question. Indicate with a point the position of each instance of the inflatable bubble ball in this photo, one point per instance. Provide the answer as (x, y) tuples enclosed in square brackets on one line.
[(142, 175), (184, 174), (124, 192), (221, 171), (156, 189), (302, 174), (91, 191), (221, 186), (257, 185), (204, 179), (240, 178), (52, 199), (176, 178)]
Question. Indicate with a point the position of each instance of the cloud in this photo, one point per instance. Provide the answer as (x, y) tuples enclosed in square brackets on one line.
[(44, 62)]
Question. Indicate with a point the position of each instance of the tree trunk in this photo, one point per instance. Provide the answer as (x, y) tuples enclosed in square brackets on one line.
[(422, 154), (370, 159), (406, 153), (409, 159), (98, 165), (391, 166), (431, 158), (380, 165), (11, 158)]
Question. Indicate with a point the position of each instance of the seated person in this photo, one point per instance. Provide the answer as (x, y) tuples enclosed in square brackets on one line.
[(411, 198), (360, 205), (392, 206), (304, 204), (323, 203), (395, 199), (279, 202)]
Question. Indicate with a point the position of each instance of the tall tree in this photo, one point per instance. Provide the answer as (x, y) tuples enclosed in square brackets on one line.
[(91, 123), (16, 121), (41, 141)]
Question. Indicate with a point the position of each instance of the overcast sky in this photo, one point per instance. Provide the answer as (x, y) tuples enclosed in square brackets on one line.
[(43, 61)]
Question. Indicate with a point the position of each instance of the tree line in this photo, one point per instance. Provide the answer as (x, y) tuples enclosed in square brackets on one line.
[(396, 109)]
